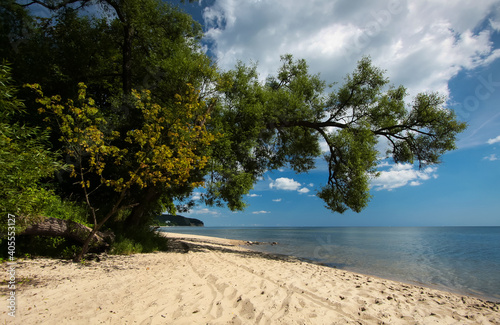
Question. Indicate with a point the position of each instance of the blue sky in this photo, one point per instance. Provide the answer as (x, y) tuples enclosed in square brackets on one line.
[(448, 46)]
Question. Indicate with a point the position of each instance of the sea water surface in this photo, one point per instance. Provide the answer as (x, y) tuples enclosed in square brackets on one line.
[(464, 260)]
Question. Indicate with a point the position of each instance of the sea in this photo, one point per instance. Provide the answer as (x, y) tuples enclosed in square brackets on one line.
[(464, 260)]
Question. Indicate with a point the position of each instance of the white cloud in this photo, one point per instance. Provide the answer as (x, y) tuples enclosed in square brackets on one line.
[(205, 211), (323, 145), (277, 200), (494, 140), (196, 196), (303, 190), (495, 24), (401, 175), (261, 212), (286, 184), (495, 20), (254, 195), (422, 44), (491, 157)]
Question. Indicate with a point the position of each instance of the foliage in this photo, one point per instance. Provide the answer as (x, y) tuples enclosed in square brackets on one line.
[(42, 246), (66, 210), (166, 143), (14, 25), (24, 160), (162, 150), (154, 118), (282, 121), (142, 240), (147, 44), (125, 246)]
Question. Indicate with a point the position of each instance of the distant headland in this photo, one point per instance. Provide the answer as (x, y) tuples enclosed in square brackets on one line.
[(177, 220)]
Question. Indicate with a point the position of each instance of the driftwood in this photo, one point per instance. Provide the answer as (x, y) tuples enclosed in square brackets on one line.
[(69, 229)]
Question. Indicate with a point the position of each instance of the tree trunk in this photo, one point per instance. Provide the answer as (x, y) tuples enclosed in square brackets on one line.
[(137, 214), (128, 33), (70, 229), (86, 245)]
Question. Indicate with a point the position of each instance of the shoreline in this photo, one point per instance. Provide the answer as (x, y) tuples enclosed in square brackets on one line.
[(451, 287), (209, 280), (249, 245)]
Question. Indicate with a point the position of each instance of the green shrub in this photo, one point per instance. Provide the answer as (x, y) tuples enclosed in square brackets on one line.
[(66, 210), (69, 252), (41, 246), (125, 246), (139, 241)]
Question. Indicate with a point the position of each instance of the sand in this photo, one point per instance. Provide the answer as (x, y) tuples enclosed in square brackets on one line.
[(215, 281)]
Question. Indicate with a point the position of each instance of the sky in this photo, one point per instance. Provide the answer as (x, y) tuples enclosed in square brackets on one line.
[(449, 46)]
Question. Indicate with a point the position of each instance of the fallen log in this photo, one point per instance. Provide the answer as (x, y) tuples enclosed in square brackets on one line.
[(69, 229)]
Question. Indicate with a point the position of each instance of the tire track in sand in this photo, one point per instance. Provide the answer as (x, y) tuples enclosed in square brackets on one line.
[(289, 291), (217, 291)]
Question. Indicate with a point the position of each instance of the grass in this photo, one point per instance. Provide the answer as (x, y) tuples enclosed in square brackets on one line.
[(139, 241)]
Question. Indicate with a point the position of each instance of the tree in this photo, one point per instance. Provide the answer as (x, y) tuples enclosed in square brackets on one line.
[(145, 44), (260, 126), (282, 121), (14, 26), (24, 160), (164, 149), (147, 34)]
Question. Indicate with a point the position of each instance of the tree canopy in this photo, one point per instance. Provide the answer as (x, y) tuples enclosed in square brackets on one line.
[(163, 150), (281, 122), (142, 116)]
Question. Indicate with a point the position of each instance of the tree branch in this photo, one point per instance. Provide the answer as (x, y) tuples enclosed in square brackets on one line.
[(313, 125), (55, 7), (382, 131), (68, 229), (403, 127)]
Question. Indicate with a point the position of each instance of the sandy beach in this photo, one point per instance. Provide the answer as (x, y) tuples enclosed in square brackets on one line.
[(208, 280)]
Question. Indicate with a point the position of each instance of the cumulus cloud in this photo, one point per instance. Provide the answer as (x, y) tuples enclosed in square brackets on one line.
[(261, 212), (254, 195), (303, 190), (422, 44), (196, 196), (205, 211), (491, 157), (494, 140), (400, 175), (277, 200), (286, 184)]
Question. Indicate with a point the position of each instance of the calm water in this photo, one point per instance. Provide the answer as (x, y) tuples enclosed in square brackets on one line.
[(459, 259)]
